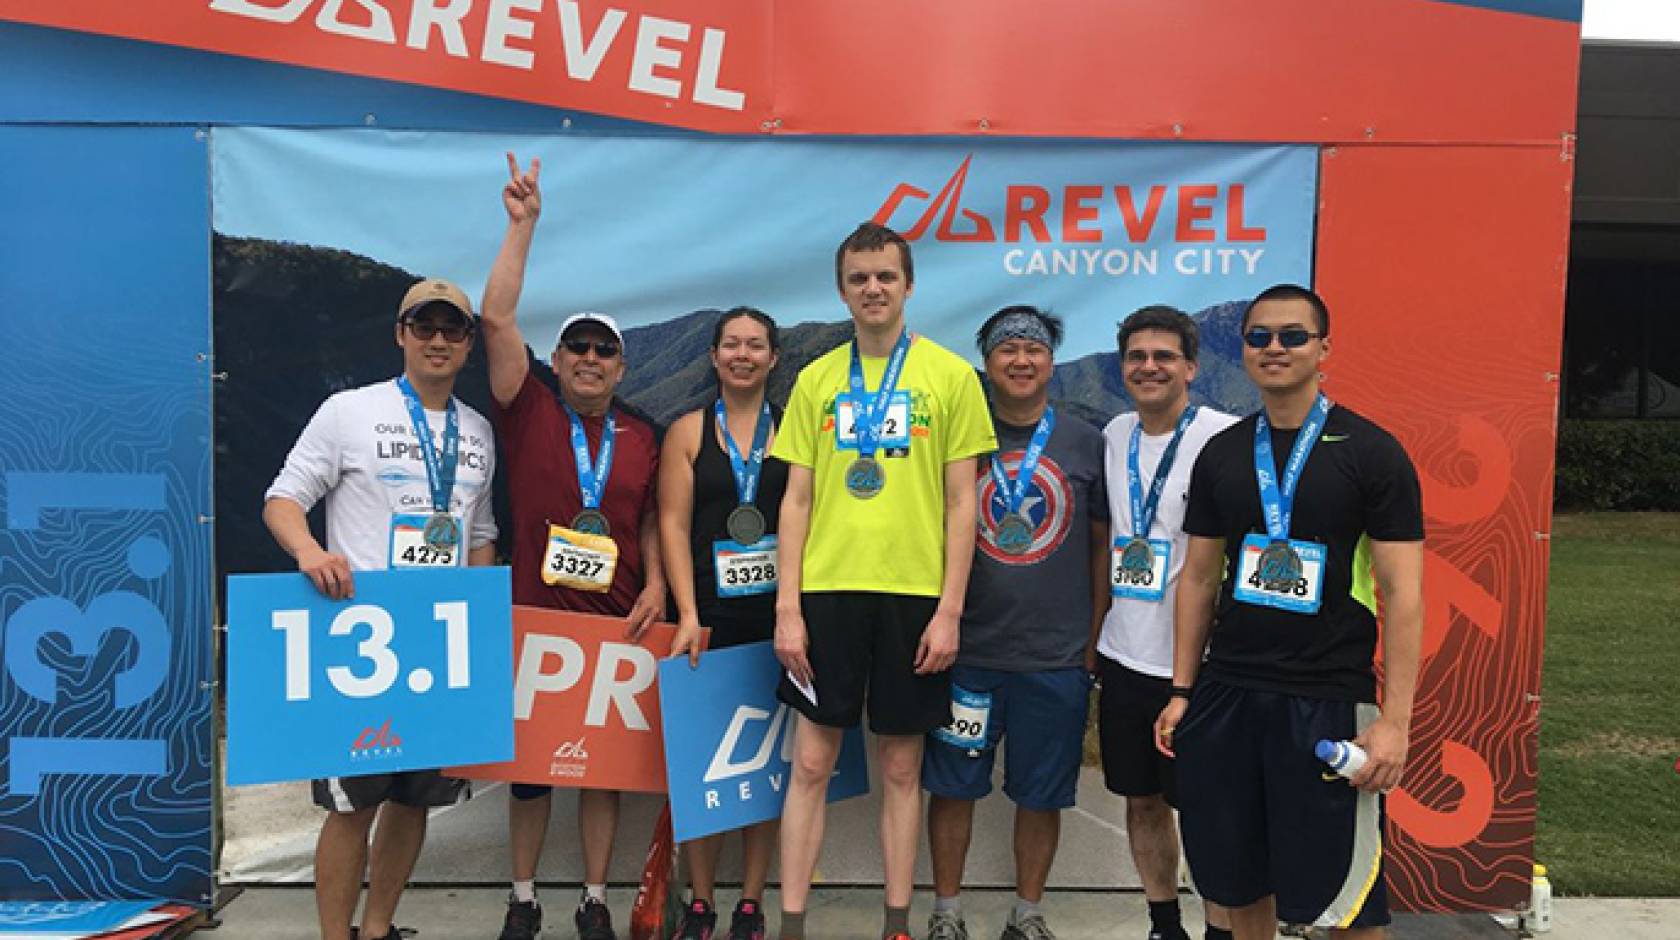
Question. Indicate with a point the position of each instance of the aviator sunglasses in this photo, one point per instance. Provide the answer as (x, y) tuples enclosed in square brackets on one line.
[(424, 330), (605, 348), (1292, 337)]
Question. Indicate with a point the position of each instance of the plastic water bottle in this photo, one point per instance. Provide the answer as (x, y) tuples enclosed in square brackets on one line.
[(1539, 916), (1344, 757)]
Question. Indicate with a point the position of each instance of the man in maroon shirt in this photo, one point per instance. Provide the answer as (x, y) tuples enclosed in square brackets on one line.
[(581, 475)]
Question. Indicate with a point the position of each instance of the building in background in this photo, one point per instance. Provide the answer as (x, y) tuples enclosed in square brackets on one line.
[(1622, 317)]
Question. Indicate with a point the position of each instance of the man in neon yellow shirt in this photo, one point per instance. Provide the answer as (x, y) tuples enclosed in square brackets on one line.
[(877, 530)]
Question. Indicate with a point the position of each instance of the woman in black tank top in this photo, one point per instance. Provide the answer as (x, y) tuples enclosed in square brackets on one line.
[(719, 550)]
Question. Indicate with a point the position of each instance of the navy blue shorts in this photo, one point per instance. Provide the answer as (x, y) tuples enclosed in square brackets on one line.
[(1042, 714), (1262, 816)]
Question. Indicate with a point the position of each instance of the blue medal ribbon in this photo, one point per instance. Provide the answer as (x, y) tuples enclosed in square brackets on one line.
[(592, 480), (1279, 504), (1143, 510), (869, 415), (1014, 491), (746, 471), (440, 469)]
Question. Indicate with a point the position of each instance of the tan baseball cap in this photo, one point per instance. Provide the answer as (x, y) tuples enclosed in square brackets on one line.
[(435, 290)]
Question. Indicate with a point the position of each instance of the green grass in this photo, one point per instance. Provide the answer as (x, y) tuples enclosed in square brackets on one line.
[(1609, 819)]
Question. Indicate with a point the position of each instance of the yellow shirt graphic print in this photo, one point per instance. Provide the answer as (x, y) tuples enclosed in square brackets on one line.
[(893, 542)]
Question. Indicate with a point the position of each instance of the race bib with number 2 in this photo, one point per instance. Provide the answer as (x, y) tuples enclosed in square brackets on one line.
[(895, 427)]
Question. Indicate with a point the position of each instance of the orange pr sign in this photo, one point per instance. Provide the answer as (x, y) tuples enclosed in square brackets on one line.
[(585, 704)]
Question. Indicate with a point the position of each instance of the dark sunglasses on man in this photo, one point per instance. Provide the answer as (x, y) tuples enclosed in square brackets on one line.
[(1292, 337), (604, 348), (454, 330)]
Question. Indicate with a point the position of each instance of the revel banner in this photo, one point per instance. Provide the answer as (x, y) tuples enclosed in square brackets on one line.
[(412, 672), (1091, 230), (107, 685), (585, 710), (729, 742)]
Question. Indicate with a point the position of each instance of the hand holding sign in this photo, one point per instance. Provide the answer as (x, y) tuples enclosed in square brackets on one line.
[(328, 571)]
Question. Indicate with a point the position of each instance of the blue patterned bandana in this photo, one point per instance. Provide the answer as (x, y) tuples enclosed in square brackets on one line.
[(1016, 326)]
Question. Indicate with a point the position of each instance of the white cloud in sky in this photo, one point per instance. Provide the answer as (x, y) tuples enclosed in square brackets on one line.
[(1651, 20)]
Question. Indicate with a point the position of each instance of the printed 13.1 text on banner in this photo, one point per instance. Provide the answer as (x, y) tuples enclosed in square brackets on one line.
[(412, 673)]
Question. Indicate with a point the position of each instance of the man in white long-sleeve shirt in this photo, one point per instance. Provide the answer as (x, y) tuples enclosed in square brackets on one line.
[(394, 499)]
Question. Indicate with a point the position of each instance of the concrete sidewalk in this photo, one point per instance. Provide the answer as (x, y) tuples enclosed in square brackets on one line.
[(270, 839), (288, 913)]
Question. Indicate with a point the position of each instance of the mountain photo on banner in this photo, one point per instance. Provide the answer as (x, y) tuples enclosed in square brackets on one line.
[(296, 323), (318, 233)]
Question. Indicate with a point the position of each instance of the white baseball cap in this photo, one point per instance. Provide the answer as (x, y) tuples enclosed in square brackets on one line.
[(589, 316)]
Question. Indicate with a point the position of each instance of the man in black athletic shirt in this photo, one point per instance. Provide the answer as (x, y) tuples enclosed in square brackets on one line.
[(1311, 507)]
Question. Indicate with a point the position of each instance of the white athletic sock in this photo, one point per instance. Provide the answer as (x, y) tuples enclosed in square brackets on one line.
[(952, 904), (525, 891), (1023, 910), (598, 892)]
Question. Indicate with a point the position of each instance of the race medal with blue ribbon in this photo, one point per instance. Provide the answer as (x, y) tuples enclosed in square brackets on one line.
[(865, 477), (592, 479), (442, 532), (1280, 566), (1277, 571), (591, 522), (1140, 564), (745, 523), (1137, 556), (439, 533), (1014, 532)]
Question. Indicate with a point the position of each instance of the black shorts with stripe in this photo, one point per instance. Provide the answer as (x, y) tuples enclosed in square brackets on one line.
[(1261, 815), (421, 789)]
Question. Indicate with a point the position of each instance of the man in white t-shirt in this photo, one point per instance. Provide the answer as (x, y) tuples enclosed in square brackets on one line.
[(394, 499), (1148, 455)]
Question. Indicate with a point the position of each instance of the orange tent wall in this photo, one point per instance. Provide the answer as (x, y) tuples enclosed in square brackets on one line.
[(1444, 267)]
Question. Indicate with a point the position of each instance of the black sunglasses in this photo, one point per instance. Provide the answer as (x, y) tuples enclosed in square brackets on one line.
[(1292, 337), (605, 348), (424, 330)]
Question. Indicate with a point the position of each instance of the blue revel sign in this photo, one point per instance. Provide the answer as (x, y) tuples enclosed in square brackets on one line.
[(106, 614), (414, 672), (729, 742)]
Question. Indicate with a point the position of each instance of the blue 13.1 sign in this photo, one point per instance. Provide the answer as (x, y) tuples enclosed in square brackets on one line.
[(414, 672)]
